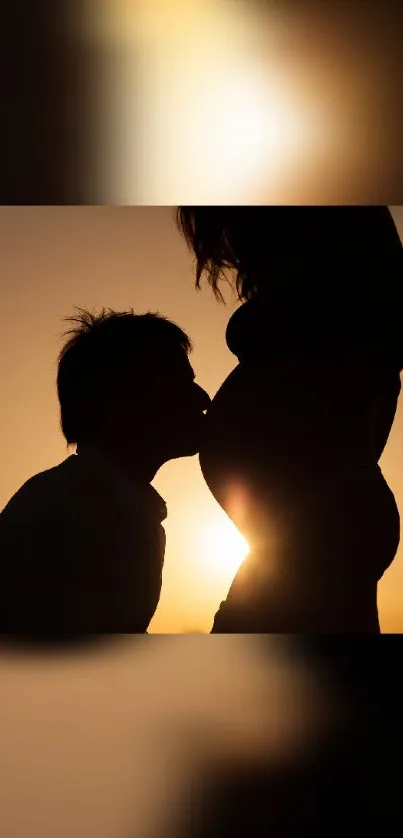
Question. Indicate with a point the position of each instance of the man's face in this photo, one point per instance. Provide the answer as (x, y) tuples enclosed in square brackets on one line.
[(173, 410)]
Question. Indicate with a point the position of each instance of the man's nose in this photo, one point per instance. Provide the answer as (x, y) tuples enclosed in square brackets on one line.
[(202, 398)]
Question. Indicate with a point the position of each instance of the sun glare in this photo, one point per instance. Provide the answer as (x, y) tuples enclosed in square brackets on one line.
[(246, 123), (221, 548)]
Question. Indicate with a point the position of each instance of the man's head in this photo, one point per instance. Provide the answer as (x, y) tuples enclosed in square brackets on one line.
[(124, 380)]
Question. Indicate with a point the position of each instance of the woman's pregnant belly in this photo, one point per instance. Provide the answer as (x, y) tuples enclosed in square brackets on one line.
[(295, 472), (283, 428)]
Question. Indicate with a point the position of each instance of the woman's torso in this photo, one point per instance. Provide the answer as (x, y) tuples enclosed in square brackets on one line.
[(318, 366), (295, 419)]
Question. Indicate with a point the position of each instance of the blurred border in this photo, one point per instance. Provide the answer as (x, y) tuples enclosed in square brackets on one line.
[(55, 85)]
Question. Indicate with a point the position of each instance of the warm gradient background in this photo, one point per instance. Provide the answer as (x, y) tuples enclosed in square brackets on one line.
[(52, 259), (127, 741), (241, 101), (202, 101)]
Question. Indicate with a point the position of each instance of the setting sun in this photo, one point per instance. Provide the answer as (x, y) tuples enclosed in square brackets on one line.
[(221, 548)]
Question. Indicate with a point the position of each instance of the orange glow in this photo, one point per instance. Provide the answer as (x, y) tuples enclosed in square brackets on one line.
[(57, 257), (223, 101)]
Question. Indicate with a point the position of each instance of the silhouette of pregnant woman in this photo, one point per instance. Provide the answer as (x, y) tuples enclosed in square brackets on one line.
[(295, 433)]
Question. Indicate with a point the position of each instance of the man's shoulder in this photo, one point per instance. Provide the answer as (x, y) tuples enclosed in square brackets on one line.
[(80, 491), (65, 499), (44, 486)]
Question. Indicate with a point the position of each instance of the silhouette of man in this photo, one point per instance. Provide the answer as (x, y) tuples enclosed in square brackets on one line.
[(82, 544)]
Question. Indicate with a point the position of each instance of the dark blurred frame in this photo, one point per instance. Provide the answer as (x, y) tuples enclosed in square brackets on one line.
[(44, 89)]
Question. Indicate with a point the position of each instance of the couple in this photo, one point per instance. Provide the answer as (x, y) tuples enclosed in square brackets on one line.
[(289, 446)]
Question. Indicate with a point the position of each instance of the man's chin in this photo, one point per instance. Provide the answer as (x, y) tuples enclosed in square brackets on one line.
[(189, 444), (186, 448), (187, 451)]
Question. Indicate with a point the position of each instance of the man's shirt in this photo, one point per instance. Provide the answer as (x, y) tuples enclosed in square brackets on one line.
[(81, 551)]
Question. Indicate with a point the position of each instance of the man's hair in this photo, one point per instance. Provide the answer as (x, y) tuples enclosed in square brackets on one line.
[(261, 244), (102, 354)]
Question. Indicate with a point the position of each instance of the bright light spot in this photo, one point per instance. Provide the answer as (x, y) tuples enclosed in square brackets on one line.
[(221, 548), (200, 114), (240, 127), (216, 133), (205, 103)]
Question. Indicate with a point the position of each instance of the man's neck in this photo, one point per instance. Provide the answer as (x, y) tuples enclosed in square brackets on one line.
[(135, 465)]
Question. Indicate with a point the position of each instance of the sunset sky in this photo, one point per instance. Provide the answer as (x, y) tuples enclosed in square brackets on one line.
[(55, 258)]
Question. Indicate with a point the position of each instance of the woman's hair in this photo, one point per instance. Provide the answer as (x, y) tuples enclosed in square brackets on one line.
[(262, 245), (108, 350), (211, 235)]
